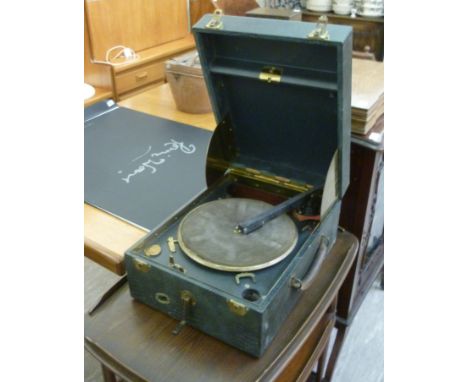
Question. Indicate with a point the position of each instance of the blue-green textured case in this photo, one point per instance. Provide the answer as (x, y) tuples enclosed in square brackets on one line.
[(283, 106)]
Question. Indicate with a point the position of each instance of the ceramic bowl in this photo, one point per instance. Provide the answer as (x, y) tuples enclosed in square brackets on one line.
[(319, 2), (319, 5), (369, 4), (342, 9), (343, 2), (368, 11)]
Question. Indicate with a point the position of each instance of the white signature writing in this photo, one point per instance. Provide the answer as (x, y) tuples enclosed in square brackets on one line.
[(151, 163)]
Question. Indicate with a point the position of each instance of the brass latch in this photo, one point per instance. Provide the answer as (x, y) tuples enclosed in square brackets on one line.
[(270, 74), (320, 32)]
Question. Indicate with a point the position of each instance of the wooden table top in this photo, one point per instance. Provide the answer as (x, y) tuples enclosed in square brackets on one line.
[(138, 344), (106, 237)]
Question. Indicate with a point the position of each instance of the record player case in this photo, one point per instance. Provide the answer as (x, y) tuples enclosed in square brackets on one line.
[(281, 95)]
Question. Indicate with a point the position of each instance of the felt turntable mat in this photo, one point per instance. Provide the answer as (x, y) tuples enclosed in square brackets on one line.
[(142, 168), (207, 235)]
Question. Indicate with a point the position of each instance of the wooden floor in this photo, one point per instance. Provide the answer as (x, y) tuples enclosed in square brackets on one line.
[(361, 359)]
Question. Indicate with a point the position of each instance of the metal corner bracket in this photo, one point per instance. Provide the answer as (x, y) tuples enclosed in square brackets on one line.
[(237, 308)]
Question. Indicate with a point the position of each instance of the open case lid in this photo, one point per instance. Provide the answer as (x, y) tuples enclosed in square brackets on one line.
[(282, 99)]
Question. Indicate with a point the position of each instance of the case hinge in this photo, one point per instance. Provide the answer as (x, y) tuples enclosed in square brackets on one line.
[(251, 173)]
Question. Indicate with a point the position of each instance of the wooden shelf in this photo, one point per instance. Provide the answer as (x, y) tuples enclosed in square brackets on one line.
[(96, 75), (155, 30), (138, 24), (157, 53), (132, 77), (368, 32), (343, 17)]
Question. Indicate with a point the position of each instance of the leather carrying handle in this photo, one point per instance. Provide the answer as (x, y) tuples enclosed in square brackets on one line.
[(306, 282)]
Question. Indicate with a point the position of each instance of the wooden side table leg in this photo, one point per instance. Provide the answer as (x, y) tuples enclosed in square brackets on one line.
[(323, 361), (321, 364), (382, 280), (108, 375), (339, 340)]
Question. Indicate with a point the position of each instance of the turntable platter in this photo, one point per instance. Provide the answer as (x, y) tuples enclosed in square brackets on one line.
[(207, 235)]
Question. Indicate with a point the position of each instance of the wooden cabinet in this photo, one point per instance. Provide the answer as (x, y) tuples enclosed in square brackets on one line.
[(96, 75), (138, 24), (362, 213), (140, 76), (148, 70), (367, 31), (155, 30), (198, 8)]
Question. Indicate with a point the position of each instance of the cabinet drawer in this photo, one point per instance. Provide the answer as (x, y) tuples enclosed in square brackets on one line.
[(138, 77)]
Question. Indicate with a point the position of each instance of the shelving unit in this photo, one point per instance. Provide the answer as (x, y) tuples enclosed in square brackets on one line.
[(155, 30), (96, 75), (367, 31)]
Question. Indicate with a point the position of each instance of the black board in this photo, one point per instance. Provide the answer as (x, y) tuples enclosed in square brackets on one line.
[(139, 167)]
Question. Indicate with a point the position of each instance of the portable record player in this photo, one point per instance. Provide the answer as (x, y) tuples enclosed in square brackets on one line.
[(234, 261)]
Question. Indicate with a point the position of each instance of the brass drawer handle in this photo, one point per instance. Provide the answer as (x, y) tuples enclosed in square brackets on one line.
[(141, 76)]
